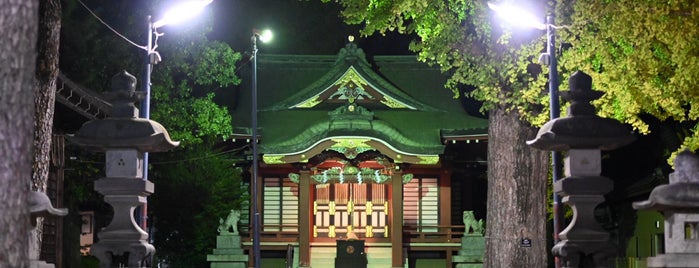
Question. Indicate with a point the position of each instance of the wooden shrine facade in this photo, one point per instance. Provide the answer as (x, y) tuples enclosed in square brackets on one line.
[(381, 151)]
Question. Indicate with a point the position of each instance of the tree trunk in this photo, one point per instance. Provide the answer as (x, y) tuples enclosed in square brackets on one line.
[(18, 28), (44, 99), (517, 176), (45, 88)]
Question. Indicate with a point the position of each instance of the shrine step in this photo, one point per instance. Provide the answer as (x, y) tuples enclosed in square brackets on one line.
[(324, 257), (378, 257)]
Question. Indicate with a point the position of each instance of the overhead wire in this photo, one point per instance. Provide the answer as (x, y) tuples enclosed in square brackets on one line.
[(198, 158), (178, 160), (145, 48), (110, 27)]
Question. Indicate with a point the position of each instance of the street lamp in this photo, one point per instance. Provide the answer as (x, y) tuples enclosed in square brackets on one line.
[(174, 15), (264, 36), (517, 16)]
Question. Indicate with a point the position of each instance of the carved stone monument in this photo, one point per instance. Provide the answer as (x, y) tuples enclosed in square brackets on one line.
[(584, 135), (228, 252), (679, 203), (472, 243), (124, 138)]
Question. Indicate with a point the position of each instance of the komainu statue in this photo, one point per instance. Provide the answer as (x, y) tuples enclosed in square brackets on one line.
[(231, 222), (471, 224)]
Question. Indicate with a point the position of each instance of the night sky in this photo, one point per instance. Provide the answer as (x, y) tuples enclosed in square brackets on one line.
[(300, 27)]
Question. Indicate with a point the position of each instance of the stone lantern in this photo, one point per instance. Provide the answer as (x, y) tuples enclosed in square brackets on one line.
[(124, 138), (679, 203), (584, 135), (40, 206)]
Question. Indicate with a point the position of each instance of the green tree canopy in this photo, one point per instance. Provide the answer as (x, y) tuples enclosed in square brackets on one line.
[(642, 54), (465, 39)]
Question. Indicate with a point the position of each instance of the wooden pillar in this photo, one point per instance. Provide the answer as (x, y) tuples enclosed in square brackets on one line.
[(305, 219), (445, 208), (445, 199), (397, 219)]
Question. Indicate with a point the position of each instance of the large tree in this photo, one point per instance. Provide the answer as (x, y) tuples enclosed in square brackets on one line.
[(642, 54), (45, 88), (462, 37), (45, 96), (18, 27)]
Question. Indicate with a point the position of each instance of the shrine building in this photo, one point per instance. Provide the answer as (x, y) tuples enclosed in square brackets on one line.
[(372, 147)]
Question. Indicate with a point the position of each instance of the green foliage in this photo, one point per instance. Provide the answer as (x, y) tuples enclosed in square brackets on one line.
[(88, 51), (184, 87), (192, 120), (184, 84), (195, 190), (642, 54), (89, 262), (465, 40)]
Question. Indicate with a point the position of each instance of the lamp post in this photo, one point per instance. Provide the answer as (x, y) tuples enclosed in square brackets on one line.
[(517, 16), (554, 113), (174, 15), (264, 36)]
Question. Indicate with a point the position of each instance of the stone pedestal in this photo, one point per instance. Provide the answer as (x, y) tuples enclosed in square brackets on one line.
[(228, 253), (584, 240), (472, 243), (471, 253), (123, 235)]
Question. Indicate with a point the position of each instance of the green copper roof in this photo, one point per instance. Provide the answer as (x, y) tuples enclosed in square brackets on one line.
[(351, 80), (395, 105)]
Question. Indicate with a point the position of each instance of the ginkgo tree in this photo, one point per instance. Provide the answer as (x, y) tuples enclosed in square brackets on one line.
[(642, 54)]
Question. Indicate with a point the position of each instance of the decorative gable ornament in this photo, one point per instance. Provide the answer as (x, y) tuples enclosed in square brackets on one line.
[(352, 88)]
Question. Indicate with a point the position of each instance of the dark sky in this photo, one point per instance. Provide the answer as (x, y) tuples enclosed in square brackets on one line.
[(300, 27)]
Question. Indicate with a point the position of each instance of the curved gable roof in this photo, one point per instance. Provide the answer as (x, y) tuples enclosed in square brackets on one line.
[(312, 103), (351, 79)]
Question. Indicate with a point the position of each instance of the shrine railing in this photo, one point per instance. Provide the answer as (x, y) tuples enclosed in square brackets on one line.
[(411, 234), (278, 233), (433, 233)]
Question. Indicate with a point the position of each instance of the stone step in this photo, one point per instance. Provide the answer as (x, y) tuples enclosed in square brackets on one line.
[(323, 257), (377, 257)]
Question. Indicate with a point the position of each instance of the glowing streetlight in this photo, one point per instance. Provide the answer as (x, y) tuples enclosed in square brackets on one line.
[(175, 15), (517, 16), (182, 13), (264, 36)]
